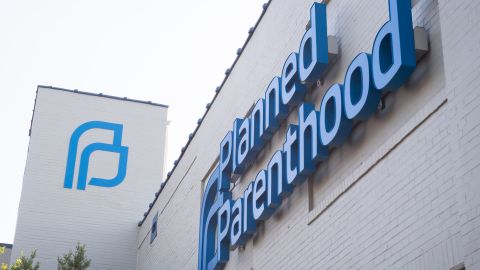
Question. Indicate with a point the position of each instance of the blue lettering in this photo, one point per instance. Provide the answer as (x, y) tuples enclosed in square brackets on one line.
[(226, 163), (360, 97), (275, 110), (223, 241), (334, 126), (227, 224), (248, 220), (290, 147), (394, 48), (213, 199), (311, 150), (237, 167), (277, 184), (257, 137), (243, 144), (293, 91), (260, 210), (236, 235), (313, 52)]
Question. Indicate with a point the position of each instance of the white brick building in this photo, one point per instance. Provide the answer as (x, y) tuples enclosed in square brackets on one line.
[(52, 218), (403, 192)]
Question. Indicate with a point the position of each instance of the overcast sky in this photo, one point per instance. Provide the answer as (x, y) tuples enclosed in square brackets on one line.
[(171, 52)]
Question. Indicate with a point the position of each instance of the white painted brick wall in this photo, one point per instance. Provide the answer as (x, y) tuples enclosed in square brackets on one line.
[(407, 189), (53, 219)]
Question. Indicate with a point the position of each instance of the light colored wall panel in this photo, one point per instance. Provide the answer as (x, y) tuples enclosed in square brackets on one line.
[(51, 218)]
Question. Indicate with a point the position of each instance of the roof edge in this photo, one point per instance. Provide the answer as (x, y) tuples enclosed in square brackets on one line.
[(251, 31), (89, 94), (103, 95)]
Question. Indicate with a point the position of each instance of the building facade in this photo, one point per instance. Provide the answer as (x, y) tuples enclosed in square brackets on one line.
[(93, 161), (344, 136), (400, 192)]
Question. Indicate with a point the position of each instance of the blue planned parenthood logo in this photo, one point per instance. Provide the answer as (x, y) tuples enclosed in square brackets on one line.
[(114, 147)]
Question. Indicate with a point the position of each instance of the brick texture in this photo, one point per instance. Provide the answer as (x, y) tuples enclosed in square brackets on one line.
[(402, 193)]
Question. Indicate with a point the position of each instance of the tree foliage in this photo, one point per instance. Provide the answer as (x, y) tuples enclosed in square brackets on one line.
[(26, 263), (74, 260)]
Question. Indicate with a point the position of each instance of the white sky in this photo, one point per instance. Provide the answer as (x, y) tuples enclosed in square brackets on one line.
[(171, 52)]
